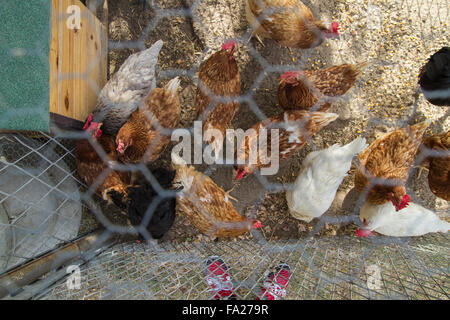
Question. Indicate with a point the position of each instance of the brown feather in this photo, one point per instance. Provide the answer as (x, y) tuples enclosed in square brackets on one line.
[(295, 127), (290, 22), (160, 109), (207, 206), (90, 166), (390, 158), (328, 82), (439, 166), (219, 76)]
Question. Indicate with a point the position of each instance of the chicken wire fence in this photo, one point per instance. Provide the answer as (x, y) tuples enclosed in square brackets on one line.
[(45, 205), (321, 269)]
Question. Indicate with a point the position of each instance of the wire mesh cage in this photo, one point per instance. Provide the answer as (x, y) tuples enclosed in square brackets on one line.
[(40, 205), (46, 208), (321, 269)]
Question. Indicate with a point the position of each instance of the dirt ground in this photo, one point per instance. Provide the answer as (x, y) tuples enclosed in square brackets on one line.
[(387, 34)]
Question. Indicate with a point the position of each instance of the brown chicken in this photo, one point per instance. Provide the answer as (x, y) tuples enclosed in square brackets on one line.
[(90, 165), (304, 89), (207, 206), (142, 137), (289, 22), (386, 163), (218, 78), (295, 127), (439, 164)]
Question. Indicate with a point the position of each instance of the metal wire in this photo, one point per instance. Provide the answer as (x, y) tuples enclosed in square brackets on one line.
[(153, 272), (44, 204)]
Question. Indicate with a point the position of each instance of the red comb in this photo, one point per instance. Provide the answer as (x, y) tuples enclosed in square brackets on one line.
[(98, 133), (88, 122), (227, 45), (257, 225), (404, 203), (240, 173), (335, 27), (120, 147), (290, 76), (364, 233)]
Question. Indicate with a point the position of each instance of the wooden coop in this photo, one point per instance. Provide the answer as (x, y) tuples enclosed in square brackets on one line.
[(55, 61)]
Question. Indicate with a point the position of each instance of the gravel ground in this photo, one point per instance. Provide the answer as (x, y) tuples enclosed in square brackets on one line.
[(395, 37)]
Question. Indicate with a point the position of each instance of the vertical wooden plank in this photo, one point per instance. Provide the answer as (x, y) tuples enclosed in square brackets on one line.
[(93, 58), (96, 57), (105, 36), (60, 52), (78, 58), (54, 58), (79, 66), (65, 85)]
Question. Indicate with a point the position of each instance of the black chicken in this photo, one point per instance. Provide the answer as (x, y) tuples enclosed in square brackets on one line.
[(434, 78), (142, 3), (140, 198)]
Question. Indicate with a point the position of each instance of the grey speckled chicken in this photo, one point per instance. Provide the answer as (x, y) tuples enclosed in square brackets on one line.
[(127, 87)]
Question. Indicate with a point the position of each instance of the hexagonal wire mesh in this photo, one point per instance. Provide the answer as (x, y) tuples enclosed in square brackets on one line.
[(40, 199), (394, 37)]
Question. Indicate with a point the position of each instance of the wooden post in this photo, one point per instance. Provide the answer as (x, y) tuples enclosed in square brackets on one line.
[(78, 62)]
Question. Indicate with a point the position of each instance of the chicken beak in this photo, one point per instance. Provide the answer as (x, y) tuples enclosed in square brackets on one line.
[(178, 188)]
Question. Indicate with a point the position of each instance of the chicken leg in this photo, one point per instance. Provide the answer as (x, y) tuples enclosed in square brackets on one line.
[(421, 168), (230, 196)]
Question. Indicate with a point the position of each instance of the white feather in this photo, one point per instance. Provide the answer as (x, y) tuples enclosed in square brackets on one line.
[(205, 199), (173, 85), (322, 173), (414, 220), (127, 87)]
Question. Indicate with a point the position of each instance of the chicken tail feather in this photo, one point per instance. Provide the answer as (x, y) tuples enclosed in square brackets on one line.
[(172, 86), (418, 130), (355, 69), (361, 65), (322, 119), (356, 146)]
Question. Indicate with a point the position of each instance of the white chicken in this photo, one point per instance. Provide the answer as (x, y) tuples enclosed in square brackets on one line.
[(413, 220), (127, 87), (322, 173)]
